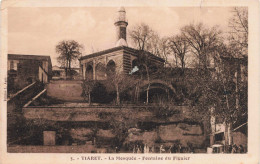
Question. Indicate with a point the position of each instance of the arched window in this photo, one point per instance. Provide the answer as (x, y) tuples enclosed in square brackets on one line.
[(100, 72), (135, 67), (89, 72), (134, 63), (111, 67)]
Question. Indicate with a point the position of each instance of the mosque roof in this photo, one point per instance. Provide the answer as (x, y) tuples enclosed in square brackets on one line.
[(128, 49)]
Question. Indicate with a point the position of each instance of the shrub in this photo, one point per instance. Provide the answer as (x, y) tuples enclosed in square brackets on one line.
[(164, 108)]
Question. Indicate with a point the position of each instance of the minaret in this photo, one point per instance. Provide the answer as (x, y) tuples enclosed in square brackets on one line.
[(121, 24)]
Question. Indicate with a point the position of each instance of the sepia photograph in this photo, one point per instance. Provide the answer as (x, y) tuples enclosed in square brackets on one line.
[(82, 82), (127, 79)]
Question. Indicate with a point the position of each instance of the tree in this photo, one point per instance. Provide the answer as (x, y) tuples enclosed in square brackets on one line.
[(233, 107), (202, 41), (118, 81), (218, 94), (142, 36), (164, 49), (238, 34), (87, 88), (202, 89), (147, 41), (238, 54), (145, 38), (68, 50), (180, 48), (145, 65)]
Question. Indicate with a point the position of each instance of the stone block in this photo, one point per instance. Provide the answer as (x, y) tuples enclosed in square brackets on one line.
[(183, 132), (105, 133), (49, 137), (170, 132), (83, 134)]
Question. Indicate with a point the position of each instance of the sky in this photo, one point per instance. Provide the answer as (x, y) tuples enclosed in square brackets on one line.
[(37, 30)]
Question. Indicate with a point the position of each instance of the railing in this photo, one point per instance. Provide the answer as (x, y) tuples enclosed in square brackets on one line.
[(34, 98), (22, 90)]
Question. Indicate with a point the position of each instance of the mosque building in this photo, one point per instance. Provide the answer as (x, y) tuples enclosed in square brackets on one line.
[(121, 58)]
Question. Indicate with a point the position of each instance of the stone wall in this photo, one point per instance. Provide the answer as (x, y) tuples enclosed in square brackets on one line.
[(100, 114), (183, 132), (164, 130), (168, 134), (67, 90)]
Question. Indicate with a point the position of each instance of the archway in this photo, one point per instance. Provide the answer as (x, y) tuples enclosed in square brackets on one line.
[(158, 90), (156, 94), (89, 72), (100, 72), (111, 68)]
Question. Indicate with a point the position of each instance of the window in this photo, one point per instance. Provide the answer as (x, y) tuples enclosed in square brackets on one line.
[(12, 65)]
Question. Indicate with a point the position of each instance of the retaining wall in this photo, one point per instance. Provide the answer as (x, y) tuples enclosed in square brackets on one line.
[(100, 114), (67, 90)]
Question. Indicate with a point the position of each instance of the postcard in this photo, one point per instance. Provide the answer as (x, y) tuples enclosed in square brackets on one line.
[(129, 81)]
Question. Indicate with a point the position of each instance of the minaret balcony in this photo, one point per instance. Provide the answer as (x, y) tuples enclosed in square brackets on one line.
[(121, 20)]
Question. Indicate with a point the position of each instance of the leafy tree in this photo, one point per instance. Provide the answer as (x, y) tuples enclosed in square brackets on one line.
[(68, 50), (234, 87), (221, 94), (233, 66)]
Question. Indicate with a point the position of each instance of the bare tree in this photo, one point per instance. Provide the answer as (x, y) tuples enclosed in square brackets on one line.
[(238, 37), (69, 50), (180, 47), (164, 49), (87, 88), (118, 81), (141, 36), (154, 44), (202, 87), (148, 41), (145, 65), (202, 41)]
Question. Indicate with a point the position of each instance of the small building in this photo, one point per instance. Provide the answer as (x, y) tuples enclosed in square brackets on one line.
[(59, 73), (25, 69)]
